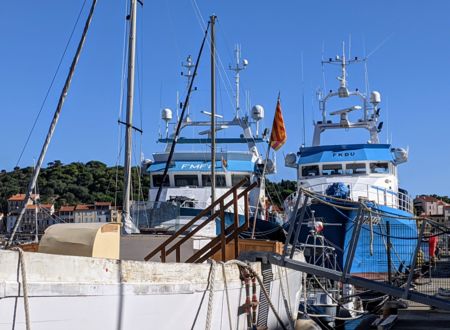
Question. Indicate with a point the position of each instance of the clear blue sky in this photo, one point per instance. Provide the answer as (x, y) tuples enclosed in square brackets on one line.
[(409, 64)]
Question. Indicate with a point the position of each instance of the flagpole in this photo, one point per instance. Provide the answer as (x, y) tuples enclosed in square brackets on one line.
[(262, 185), (263, 179)]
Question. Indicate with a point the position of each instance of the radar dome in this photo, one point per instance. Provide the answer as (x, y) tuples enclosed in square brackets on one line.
[(166, 114), (375, 97), (257, 112)]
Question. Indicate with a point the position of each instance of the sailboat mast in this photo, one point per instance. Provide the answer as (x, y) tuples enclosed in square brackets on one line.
[(128, 224), (213, 109), (52, 127)]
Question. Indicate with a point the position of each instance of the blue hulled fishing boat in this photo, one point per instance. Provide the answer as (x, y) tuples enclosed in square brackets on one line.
[(343, 176)]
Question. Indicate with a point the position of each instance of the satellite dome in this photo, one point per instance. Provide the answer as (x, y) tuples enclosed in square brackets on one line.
[(257, 112)]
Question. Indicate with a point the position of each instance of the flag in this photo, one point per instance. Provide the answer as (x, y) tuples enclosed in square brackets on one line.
[(278, 135)]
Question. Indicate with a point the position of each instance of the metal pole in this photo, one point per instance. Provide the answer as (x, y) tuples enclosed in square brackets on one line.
[(299, 225), (353, 243), (213, 111), (292, 221), (52, 127), (180, 120), (129, 227), (413, 262), (389, 261)]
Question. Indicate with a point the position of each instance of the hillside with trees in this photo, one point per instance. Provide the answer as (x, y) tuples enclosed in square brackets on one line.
[(78, 182), (73, 183)]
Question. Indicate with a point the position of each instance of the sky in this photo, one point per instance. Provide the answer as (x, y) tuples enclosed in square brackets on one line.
[(407, 45)]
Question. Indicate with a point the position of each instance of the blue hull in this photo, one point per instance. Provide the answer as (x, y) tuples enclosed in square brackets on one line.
[(370, 256)]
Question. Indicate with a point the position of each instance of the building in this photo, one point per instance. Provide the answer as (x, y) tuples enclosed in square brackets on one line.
[(66, 214), (97, 212), (41, 215), (429, 205), (84, 213), (103, 210), (15, 202)]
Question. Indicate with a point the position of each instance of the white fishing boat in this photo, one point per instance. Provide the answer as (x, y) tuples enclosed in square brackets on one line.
[(78, 279)]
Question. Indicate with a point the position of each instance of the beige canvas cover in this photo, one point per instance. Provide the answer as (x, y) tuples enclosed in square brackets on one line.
[(100, 240)]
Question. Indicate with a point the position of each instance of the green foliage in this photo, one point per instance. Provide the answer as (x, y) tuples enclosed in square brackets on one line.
[(73, 183), (445, 199), (279, 191)]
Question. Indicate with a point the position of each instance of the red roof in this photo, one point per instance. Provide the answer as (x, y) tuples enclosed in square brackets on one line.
[(42, 206), (20, 197), (102, 203), (83, 207), (66, 208), (431, 199)]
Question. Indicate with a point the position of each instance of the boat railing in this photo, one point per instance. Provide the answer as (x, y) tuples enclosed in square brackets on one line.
[(203, 205), (227, 234), (362, 191), (153, 214)]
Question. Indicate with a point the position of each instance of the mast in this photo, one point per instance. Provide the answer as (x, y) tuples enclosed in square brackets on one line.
[(52, 127), (129, 227), (237, 69), (213, 109)]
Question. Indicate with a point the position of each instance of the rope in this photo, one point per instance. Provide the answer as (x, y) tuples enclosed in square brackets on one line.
[(263, 289), (226, 294), (371, 234), (24, 286), (211, 295)]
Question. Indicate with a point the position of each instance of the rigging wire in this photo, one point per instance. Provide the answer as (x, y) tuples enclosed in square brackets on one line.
[(120, 142), (51, 84)]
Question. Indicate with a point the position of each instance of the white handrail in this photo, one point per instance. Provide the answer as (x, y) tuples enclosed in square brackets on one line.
[(369, 192)]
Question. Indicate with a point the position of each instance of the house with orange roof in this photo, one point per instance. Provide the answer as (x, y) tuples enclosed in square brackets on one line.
[(36, 215), (429, 206), (15, 202)]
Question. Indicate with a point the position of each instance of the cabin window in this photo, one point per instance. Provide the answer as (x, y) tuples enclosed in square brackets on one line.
[(186, 180), (157, 179), (356, 168), (236, 178), (310, 170), (332, 169), (220, 180), (379, 168)]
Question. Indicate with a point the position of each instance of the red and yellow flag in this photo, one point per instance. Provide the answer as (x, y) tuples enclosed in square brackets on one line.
[(278, 135)]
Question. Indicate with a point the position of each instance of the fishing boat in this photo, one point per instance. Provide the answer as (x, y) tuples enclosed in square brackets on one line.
[(184, 183), (78, 278), (342, 177)]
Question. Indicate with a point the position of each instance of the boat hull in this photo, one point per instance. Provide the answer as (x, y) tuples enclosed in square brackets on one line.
[(68, 292), (370, 256)]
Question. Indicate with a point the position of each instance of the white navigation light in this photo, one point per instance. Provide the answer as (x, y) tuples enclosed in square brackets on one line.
[(245, 62), (375, 98), (166, 114), (257, 112)]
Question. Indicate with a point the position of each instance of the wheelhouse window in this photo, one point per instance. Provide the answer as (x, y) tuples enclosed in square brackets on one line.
[(220, 180), (157, 179), (332, 169), (379, 168), (356, 168), (236, 178), (310, 170), (186, 180)]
